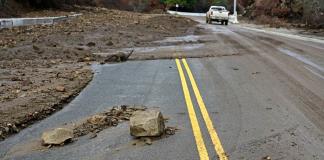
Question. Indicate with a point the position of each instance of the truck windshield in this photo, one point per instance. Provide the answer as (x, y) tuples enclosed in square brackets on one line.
[(218, 9)]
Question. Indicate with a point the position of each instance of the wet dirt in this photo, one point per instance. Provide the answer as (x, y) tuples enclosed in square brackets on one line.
[(44, 67)]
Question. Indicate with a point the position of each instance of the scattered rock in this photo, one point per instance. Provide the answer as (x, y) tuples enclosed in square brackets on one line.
[(11, 128), (93, 135), (148, 141), (235, 68), (36, 48), (119, 57), (1, 135), (256, 73), (87, 59), (97, 119), (60, 89), (26, 82), (110, 43), (91, 44), (16, 79), (170, 130), (267, 158), (147, 123), (81, 48), (57, 136)]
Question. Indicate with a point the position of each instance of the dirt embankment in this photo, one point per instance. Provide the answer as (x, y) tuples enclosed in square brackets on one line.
[(293, 13), (43, 67), (17, 8)]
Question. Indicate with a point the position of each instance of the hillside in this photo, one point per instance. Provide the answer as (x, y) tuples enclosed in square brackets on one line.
[(307, 13)]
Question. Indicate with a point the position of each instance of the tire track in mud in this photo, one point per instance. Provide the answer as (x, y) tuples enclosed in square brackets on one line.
[(310, 104), (235, 44)]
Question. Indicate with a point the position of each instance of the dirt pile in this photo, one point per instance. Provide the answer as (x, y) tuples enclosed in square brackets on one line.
[(17, 8), (310, 13), (101, 121), (43, 67)]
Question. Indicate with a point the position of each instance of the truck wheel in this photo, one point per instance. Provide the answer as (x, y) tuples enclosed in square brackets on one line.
[(222, 22), (209, 21), (206, 20), (226, 23)]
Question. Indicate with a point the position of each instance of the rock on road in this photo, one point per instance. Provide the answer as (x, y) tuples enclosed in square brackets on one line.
[(243, 95)]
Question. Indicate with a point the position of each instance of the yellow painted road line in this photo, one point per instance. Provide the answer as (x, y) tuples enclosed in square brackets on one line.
[(203, 154), (212, 131)]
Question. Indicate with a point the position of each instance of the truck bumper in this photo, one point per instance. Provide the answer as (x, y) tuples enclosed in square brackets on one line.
[(215, 18)]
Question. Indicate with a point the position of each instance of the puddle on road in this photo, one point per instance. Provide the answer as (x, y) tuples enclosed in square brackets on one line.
[(187, 39), (171, 48)]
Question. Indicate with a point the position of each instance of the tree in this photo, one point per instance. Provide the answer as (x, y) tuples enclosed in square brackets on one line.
[(187, 3), (219, 2), (3, 3)]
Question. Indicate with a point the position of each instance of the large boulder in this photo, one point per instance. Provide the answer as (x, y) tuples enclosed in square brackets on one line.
[(57, 136), (147, 123)]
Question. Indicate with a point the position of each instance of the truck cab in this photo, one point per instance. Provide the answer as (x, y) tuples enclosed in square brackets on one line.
[(217, 14)]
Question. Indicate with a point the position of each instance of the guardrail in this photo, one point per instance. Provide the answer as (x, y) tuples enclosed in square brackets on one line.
[(186, 13), (14, 22)]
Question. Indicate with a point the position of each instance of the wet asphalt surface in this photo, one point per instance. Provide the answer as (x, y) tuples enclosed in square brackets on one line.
[(263, 93)]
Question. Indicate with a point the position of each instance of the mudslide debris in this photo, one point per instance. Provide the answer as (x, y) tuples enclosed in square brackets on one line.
[(57, 136), (148, 123)]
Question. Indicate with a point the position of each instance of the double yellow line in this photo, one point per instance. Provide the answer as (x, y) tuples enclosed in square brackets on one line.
[(203, 154)]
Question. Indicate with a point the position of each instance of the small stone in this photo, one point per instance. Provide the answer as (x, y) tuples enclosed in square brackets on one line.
[(87, 59), (26, 82), (15, 129), (36, 48), (60, 88), (170, 130), (93, 135), (91, 44), (97, 119), (81, 48), (110, 43), (57, 136), (148, 141)]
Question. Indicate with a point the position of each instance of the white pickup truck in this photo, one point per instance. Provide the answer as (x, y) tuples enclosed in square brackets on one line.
[(218, 14)]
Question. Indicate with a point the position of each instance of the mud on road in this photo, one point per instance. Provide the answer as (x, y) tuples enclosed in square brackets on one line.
[(44, 67)]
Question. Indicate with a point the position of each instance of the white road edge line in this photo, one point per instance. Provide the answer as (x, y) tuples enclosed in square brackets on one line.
[(314, 72), (297, 37)]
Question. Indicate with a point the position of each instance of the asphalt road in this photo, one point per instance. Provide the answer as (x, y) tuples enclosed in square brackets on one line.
[(243, 94)]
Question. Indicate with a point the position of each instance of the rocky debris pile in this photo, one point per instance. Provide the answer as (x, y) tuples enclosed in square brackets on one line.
[(101, 121), (145, 125)]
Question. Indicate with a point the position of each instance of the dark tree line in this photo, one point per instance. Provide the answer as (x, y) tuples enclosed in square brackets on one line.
[(41, 4)]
